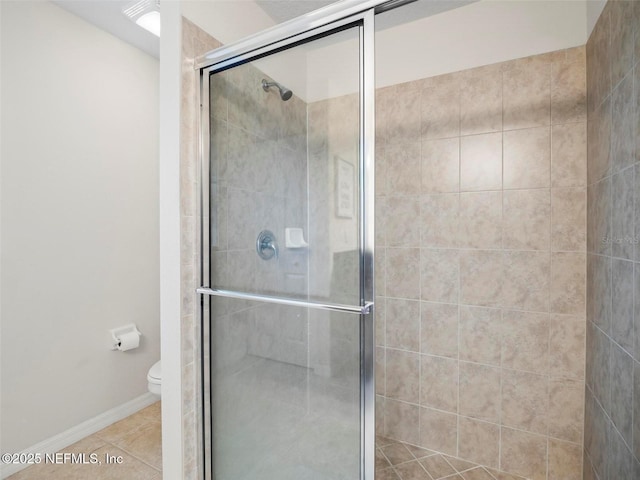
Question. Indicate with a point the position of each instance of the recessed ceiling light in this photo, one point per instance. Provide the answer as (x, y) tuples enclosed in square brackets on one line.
[(146, 14)]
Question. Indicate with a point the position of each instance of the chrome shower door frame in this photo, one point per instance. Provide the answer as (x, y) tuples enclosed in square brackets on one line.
[(291, 34)]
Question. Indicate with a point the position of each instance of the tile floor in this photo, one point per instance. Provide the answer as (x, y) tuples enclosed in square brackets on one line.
[(136, 438), (400, 461)]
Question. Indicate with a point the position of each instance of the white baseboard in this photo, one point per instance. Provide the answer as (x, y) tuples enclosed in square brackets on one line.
[(74, 434)]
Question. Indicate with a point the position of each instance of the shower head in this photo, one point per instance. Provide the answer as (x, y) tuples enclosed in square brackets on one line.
[(285, 93)]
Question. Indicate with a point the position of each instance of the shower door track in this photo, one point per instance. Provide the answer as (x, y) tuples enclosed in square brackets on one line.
[(292, 302), (331, 14)]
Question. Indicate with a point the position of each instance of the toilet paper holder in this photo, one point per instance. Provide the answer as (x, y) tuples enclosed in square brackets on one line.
[(117, 333)]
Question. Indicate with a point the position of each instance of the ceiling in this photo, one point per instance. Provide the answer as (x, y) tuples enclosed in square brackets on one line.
[(107, 15), (283, 10)]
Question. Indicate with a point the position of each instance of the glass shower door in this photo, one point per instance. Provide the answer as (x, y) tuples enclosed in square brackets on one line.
[(287, 286)]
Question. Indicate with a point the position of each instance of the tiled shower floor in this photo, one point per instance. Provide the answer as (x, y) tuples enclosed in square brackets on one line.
[(400, 461)]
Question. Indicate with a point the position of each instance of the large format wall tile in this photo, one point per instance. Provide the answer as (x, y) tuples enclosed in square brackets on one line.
[(636, 310), (636, 409), (525, 403), (568, 215), (611, 445), (622, 214), (568, 89), (440, 108), (526, 281), (479, 441), (480, 391), (623, 124), (481, 101), (622, 33), (481, 162), (397, 120), (568, 282), (438, 430), (636, 91), (402, 421), (565, 460), (568, 155), (403, 375), (599, 217), (441, 165), (527, 158), (403, 324), (403, 272), (599, 161), (439, 220), (527, 95), (566, 346), (403, 168), (526, 219), (439, 329), (622, 303), (501, 176), (480, 220), (481, 277), (402, 228), (524, 454), (480, 333), (439, 383), (622, 393), (439, 275), (566, 407), (525, 341)]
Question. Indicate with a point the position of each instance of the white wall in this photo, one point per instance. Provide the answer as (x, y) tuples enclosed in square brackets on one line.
[(79, 217), (227, 20), (594, 9), (480, 33), (173, 436)]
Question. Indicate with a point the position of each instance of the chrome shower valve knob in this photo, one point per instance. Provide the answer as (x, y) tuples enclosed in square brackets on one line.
[(266, 245)]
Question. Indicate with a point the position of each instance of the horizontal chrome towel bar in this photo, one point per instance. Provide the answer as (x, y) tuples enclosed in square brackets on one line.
[(215, 292)]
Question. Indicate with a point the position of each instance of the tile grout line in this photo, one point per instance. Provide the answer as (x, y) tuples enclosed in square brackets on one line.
[(134, 456)]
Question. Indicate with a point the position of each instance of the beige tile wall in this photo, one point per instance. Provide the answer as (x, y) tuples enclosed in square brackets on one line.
[(194, 42), (258, 181), (612, 414), (481, 264)]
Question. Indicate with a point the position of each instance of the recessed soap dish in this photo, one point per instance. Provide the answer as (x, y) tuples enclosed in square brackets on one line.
[(293, 238)]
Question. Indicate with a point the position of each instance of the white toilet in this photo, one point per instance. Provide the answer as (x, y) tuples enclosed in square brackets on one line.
[(154, 377)]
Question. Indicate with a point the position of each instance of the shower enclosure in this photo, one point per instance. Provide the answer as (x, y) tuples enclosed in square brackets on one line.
[(480, 241), (287, 272)]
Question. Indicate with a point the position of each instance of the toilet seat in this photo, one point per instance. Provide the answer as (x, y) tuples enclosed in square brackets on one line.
[(154, 378), (155, 373)]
